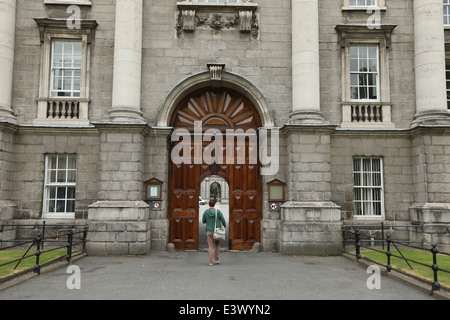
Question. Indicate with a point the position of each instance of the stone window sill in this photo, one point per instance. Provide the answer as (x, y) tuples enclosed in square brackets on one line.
[(366, 115), (62, 111)]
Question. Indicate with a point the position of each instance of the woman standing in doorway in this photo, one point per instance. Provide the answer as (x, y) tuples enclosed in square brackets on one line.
[(209, 217)]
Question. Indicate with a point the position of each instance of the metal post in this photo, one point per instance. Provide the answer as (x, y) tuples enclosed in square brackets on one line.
[(382, 233), (69, 245), (436, 286), (357, 244), (43, 235), (83, 248), (388, 252), (37, 267), (343, 240)]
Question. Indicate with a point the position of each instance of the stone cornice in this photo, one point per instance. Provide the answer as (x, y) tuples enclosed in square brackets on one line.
[(349, 31), (8, 126), (290, 128), (146, 129), (140, 127), (56, 129)]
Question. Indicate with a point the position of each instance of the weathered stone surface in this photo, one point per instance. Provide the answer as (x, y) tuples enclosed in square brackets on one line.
[(119, 228), (316, 154)]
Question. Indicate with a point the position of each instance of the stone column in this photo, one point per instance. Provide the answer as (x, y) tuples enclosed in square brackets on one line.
[(126, 96), (431, 101), (305, 62), (7, 32), (431, 208)]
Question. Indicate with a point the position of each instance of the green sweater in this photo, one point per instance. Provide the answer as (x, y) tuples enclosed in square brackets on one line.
[(209, 216)]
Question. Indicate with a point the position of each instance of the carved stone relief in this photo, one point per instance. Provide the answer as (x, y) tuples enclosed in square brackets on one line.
[(194, 15)]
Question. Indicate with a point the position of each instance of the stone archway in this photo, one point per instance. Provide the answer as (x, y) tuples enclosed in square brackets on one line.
[(203, 80), (223, 110)]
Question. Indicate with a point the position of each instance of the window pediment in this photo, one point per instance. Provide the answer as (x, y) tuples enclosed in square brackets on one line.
[(349, 32), (60, 25)]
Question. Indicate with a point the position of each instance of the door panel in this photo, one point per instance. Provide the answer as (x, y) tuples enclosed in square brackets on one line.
[(183, 207)]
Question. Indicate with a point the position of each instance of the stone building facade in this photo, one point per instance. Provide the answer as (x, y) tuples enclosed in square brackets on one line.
[(91, 90)]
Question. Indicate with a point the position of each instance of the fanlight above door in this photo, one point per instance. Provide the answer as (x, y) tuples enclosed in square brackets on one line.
[(221, 109)]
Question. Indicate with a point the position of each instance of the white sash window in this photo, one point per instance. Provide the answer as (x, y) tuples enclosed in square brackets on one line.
[(66, 69), (60, 185), (368, 191)]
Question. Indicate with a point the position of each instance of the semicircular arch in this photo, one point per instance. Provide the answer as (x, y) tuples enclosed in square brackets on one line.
[(218, 108)]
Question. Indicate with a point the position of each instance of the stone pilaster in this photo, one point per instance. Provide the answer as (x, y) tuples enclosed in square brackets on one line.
[(119, 221), (7, 32), (7, 208), (305, 62), (310, 222), (431, 209), (121, 164), (431, 101), (126, 99)]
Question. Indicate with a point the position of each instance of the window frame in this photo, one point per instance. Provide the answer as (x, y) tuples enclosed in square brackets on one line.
[(383, 70), (380, 5), (357, 34), (446, 7), (56, 29), (358, 73), (51, 184), (63, 68), (368, 187), (447, 80), (447, 72)]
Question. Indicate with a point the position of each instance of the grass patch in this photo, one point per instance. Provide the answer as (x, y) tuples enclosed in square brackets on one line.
[(419, 270), (10, 255)]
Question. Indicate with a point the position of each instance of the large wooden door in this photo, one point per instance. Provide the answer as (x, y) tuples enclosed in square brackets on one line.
[(219, 109)]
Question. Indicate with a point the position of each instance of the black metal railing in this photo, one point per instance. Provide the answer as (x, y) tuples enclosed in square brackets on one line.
[(352, 235), (64, 236)]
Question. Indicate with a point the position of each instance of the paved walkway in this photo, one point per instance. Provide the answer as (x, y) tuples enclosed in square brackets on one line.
[(186, 275)]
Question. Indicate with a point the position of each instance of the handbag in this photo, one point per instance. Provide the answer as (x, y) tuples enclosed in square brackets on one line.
[(219, 233)]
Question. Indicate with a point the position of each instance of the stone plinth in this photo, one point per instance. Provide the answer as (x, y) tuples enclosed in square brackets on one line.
[(435, 221), (7, 210), (310, 228), (118, 228)]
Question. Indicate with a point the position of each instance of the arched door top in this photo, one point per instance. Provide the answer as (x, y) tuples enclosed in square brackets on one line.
[(202, 80), (219, 108)]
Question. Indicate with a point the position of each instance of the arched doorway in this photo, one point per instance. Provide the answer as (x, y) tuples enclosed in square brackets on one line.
[(222, 113)]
